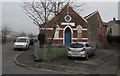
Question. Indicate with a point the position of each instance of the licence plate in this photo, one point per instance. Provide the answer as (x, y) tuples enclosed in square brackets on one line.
[(75, 54), (19, 46)]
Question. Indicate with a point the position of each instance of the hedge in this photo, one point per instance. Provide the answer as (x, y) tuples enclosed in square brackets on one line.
[(113, 39), (49, 55)]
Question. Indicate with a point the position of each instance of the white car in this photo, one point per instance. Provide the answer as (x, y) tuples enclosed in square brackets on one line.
[(80, 49), (22, 42)]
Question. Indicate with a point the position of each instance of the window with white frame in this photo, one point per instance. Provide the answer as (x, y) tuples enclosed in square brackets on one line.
[(79, 32), (56, 32)]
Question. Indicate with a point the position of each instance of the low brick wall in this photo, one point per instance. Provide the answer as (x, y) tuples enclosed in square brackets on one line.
[(8, 40)]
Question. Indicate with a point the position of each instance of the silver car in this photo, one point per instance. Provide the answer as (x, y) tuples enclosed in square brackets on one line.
[(80, 49)]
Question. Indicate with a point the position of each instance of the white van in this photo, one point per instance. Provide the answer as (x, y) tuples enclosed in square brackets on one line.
[(22, 42)]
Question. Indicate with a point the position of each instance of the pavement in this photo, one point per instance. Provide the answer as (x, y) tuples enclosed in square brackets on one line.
[(26, 59)]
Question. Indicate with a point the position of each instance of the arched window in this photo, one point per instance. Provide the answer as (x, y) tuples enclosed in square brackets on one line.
[(79, 32), (56, 32)]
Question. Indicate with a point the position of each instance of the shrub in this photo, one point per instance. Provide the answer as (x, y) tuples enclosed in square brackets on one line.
[(49, 55), (113, 39)]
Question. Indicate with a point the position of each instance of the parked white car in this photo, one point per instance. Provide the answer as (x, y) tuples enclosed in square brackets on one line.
[(80, 49), (22, 42)]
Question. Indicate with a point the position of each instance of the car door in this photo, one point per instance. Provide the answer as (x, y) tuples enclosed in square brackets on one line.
[(92, 49), (88, 48)]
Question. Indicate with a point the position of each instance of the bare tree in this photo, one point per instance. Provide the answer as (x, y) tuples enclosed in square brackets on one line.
[(31, 35), (23, 34), (5, 31), (38, 12), (77, 6), (57, 7), (42, 11)]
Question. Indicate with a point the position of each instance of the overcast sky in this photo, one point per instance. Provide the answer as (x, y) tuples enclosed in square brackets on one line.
[(13, 15)]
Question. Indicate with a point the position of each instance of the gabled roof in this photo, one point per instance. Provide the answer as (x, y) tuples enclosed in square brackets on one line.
[(62, 14), (78, 14), (88, 16), (97, 15), (104, 23)]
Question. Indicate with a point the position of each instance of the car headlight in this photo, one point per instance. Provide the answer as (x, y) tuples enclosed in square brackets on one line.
[(69, 49), (82, 52)]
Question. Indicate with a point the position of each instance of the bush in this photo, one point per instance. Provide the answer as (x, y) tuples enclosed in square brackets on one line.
[(113, 39)]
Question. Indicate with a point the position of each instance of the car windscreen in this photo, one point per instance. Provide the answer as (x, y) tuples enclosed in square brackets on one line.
[(21, 40), (76, 45)]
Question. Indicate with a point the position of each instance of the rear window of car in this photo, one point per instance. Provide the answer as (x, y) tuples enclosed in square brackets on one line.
[(76, 45)]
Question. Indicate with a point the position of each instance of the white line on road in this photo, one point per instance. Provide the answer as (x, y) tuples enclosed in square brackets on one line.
[(87, 62), (17, 61), (33, 67)]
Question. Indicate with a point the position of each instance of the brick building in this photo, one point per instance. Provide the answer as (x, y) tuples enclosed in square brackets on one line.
[(71, 27), (97, 30), (114, 25)]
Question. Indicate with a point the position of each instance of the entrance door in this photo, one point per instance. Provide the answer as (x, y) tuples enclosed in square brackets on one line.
[(67, 37)]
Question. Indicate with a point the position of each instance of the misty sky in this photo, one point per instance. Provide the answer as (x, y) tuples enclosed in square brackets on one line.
[(13, 15)]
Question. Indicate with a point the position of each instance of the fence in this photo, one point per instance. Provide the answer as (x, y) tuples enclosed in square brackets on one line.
[(49, 54)]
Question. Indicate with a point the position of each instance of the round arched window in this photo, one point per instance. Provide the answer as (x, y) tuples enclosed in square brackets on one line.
[(67, 18)]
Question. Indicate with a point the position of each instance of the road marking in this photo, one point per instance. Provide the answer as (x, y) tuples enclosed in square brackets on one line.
[(17, 61), (28, 67), (19, 53), (53, 65), (37, 64), (87, 62)]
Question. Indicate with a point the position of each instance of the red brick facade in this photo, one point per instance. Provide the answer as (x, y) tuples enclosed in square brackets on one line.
[(73, 26)]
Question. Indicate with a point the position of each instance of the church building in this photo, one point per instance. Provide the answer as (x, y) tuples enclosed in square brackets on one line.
[(70, 27)]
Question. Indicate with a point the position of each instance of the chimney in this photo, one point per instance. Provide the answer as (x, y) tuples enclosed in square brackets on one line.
[(113, 19)]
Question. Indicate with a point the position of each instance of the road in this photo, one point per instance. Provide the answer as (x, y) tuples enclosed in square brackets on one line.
[(110, 63), (9, 67), (108, 60)]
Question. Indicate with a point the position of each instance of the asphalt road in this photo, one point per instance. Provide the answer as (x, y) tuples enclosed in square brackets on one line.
[(107, 58), (9, 67)]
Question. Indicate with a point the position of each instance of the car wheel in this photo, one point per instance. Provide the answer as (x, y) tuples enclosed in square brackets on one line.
[(14, 49), (37, 59), (87, 56), (28, 47), (69, 57)]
